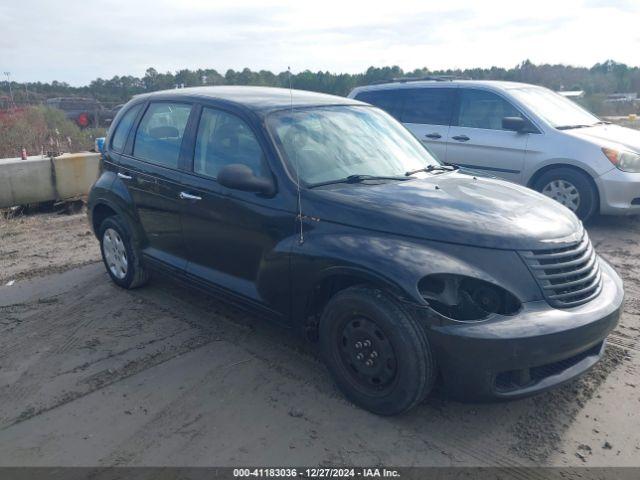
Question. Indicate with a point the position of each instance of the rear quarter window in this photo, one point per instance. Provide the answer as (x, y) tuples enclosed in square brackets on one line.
[(122, 129)]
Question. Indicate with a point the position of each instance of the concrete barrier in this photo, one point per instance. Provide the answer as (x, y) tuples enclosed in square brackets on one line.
[(39, 179)]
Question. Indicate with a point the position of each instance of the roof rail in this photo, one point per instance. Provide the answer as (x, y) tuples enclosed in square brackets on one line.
[(434, 78)]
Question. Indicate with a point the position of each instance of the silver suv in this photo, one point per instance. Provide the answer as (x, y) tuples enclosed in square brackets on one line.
[(523, 133)]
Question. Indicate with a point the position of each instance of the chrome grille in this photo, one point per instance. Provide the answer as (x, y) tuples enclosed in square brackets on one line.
[(568, 275)]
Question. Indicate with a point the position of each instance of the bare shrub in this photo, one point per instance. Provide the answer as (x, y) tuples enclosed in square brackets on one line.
[(35, 128)]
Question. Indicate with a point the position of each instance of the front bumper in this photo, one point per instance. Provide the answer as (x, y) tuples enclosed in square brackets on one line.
[(619, 192), (540, 348)]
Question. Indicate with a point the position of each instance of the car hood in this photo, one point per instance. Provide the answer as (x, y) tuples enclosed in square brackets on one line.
[(605, 135), (450, 207)]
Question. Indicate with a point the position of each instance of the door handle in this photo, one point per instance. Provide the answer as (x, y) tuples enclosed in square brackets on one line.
[(188, 196), (433, 135), (124, 176), (460, 138)]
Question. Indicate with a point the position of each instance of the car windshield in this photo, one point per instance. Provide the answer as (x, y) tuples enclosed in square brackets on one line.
[(327, 144), (559, 111)]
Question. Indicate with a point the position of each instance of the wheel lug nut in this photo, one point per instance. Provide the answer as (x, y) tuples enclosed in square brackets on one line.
[(360, 356), (373, 354), (369, 363), (358, 345), (367, 343)]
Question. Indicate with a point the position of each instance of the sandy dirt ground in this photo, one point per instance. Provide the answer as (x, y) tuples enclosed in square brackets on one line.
[(91, 374), (35, 245)]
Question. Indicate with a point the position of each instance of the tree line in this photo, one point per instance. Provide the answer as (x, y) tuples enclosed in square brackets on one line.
[(600, 79)]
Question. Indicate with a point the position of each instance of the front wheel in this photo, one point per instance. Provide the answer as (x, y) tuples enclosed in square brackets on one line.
[(571, 188), (378, 354), (119, 254)]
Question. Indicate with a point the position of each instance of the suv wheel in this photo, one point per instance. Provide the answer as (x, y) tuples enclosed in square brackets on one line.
[(378, 355), (571, 188), (120, 256)]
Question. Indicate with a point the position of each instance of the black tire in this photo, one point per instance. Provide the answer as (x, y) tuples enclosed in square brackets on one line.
[(588, 195), (415, 370), (136, 275)]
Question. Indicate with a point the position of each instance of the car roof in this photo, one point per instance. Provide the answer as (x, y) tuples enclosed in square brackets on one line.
[(259, 99), (488, 84)]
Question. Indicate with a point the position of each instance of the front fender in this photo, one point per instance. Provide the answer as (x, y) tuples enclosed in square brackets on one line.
[(398, 263)]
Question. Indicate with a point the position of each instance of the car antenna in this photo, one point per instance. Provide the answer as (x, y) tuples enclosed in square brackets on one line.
[(301, 239)]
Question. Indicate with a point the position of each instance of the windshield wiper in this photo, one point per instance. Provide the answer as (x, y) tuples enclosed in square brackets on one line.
[(432, 168), (357, 179)]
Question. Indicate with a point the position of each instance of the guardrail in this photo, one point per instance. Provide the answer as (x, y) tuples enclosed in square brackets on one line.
[(39, 179)]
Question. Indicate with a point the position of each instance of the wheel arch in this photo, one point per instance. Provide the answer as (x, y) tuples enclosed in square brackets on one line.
[(104, 207), (337, 279), (552, 166), (99, 213)]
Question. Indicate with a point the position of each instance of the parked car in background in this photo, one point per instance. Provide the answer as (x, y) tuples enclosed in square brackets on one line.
[(85, 112), (114, 110), (326, 215), (523, 133)]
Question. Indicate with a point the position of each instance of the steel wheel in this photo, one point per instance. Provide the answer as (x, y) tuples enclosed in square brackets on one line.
[(377, 353), (563, 192), (367, 354), (115, 253)]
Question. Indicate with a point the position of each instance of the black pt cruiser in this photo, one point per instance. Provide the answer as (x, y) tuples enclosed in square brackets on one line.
[(327, 216)]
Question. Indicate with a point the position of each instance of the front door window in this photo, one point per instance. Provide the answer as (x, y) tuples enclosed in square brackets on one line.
[(480, 109), (224, 139)]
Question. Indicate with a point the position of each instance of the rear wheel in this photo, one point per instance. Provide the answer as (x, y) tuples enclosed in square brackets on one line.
[(120, 255), (571, 188), (377, 353)]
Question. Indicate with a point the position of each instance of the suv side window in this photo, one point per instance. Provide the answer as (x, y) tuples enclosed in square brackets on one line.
[(224, 139), (482, 109), (432, 106), (160, 133), (122, 130), (388, 100)]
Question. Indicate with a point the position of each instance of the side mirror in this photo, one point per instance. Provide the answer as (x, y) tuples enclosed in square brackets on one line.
[(516, 124), (240, 177)]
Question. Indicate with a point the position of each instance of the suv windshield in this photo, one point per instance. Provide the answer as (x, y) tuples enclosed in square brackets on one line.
[(559, 111), (327, 144)]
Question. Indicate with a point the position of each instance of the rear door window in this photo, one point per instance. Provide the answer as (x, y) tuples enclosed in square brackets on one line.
[(123, 128), (482, 109), (432, 106), (160, 133), (388, 100)]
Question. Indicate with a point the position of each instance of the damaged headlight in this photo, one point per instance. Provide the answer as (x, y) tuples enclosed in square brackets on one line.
[(466, 298)]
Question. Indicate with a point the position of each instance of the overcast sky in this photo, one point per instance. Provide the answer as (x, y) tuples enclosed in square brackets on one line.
[(78, 41)]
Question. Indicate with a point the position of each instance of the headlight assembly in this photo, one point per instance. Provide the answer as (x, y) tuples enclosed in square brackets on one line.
[(466, 298), (623, 159)]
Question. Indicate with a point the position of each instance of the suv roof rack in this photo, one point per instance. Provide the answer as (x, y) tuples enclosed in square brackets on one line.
[(434, 78)]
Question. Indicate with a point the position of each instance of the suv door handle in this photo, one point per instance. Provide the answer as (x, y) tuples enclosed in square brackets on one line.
[(433, 135), (188, 196), (124, 176), (460, 138)]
